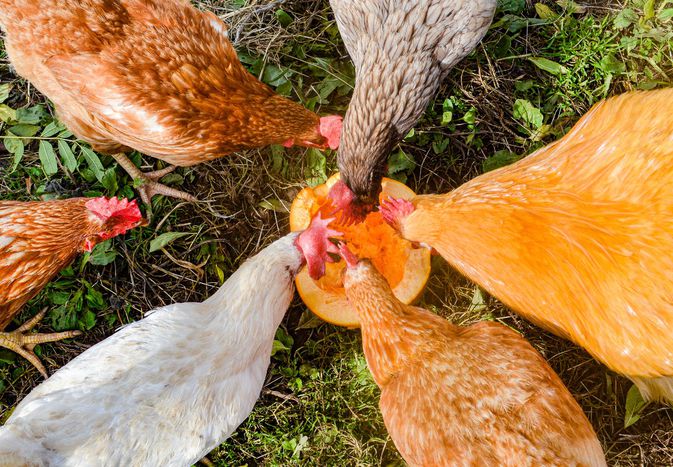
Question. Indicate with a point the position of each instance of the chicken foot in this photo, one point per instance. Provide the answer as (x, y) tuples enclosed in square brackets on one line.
[(21, 342), (150, 185)]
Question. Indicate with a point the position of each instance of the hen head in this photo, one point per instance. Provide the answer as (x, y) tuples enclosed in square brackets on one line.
[(109, 218), (326, 135), (315, 246), (353, 209)]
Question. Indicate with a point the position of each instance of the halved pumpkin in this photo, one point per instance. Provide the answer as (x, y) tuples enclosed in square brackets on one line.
[(406, 268)]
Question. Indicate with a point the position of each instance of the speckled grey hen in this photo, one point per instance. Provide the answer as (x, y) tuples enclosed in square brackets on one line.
[(402, 50)]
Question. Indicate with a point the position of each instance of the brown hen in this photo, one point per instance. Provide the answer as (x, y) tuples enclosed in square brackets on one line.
[(577, 237), (464, 396), (37, 240), (158, 76)]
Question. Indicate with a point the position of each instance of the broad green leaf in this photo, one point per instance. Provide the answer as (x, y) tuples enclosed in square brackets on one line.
[(278, 346), (571, 6), (316, 165), (512, 6), (544, 12), (14, 146), (283, 18), (166, 238), (88, 320), (635, 404), (67, 156), (524, 110), (32, 115), (478, 301), (4, 91), (7, 114), (48, 158), (625, 18), (610, 64), (400, 162), (53, 128), (663, 15), (499, 159), (24, 130), (648, 9), (103, 254), (94, 163), (93, 297), (109, 180), (549, 66)]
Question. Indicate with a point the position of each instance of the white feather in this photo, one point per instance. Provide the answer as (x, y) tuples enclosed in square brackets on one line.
[(165, 390)]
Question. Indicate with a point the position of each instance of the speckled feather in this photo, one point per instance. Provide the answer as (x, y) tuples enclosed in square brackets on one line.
[(401, 50), (578, 236), (157, 76), (37, 240), (465, 396), (165, 390)]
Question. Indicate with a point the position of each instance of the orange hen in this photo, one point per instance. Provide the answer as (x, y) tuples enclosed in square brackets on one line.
[(37, 240), (577, 237), (158, 76), (464, 396)]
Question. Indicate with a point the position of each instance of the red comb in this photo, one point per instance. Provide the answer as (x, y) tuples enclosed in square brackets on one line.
[(117, 215), (330, 128), (315, 245), (348, 256), (395, 210)]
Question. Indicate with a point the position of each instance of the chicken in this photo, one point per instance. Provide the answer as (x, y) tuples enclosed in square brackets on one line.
[(157, 76), (475, 395), (169, 388), (37, 240), (401, 50), (576, 237)]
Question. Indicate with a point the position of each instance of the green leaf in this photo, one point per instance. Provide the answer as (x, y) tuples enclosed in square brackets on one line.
[(610, 64), (447, 111), (283, 18), (524, 110), (571, 6), (316, 165), (88, 320), (512, 6), (400, 162), (48, 158), (94, 163), (14, 146), (275, 76), (278, 346), (524, 85), (273, 204), (24, 130), (549, 66), (32, 115), (635, 404), (109, 180), (663, 15), (7, 113), (544, 12), (499, 159), (103, 254), (625, 18), (53, 128), (67, 156), (166, 238), (4, 91), (94, 298)]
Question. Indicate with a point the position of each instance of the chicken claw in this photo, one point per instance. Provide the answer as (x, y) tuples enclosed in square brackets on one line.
[(21, 342), (150, 185)]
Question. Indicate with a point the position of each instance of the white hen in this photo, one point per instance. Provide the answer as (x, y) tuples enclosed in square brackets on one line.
[(166, 390)]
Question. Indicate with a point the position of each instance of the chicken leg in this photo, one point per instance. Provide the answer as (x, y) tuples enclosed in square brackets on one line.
[(150, 185), (21, 342)]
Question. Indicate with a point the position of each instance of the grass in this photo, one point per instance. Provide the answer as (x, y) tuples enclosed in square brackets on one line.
[(539, 68)]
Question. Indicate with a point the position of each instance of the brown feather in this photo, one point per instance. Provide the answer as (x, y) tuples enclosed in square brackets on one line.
[(477, 395), (577, 237), (160, 77)]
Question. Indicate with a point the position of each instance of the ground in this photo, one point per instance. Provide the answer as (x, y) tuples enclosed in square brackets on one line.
[(540, 67)]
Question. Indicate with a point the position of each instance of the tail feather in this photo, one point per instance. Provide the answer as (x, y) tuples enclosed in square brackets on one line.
[(655, 389)]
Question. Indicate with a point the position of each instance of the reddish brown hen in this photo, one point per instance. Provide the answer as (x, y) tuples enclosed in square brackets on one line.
[(37, 240), (464, 396), (158, 76), (577, 237)]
